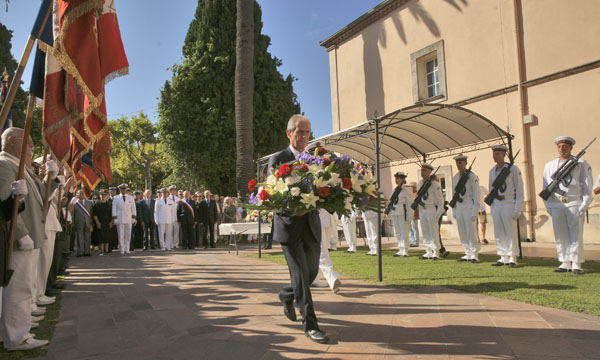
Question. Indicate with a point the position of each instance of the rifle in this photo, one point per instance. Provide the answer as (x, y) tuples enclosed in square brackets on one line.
[(462, 182), (562, 172), (423, 190), (393, 200), (500, 179)]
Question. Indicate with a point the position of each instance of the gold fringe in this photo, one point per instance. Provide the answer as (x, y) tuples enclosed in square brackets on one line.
[(115, 74)]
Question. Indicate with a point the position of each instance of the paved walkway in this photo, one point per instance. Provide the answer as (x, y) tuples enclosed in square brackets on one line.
[(214, 305)]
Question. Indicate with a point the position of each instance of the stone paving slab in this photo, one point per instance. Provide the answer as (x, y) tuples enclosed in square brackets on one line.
[(208, 304)]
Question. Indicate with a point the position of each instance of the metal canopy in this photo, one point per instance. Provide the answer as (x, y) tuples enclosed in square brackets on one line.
[(414, 133)]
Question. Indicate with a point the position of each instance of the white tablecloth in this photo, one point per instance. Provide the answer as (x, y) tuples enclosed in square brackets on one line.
[(244, 228)]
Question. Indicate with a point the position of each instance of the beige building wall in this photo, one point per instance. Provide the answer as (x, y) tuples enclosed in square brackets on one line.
[(372, 71)]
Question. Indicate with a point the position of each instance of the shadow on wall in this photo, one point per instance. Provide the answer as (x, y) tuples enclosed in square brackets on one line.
[(375, 36)]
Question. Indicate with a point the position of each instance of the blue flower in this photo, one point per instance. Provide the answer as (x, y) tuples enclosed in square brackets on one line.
[(254, 199)]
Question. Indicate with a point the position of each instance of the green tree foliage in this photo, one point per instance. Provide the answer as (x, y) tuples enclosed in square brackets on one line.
[(136, 152), (196, 109), (7, 62)]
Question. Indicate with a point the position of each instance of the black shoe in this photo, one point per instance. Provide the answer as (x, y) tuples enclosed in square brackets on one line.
[(513, 265), (475, 261), (289, 311), (445, 253), (58, 286), (51, 292), (317, 336), (560, 270), (577, 271), (350, 252), (404, 255), (498, 263), (461, 260), (485, 241), (396, 255), (435, 258)]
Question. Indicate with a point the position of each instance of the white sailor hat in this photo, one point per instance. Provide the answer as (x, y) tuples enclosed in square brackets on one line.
[(123, 186), (39, 160), (499, 147), (172, 187), (460, 157), (164, 190), (399, 174), (564, 138), (426, 165)]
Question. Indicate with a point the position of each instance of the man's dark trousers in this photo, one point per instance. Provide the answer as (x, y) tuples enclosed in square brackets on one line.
[(149, 235), (208, 229), (187, 235)]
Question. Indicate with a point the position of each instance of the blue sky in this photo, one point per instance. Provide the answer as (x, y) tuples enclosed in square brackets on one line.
[(153, 35)]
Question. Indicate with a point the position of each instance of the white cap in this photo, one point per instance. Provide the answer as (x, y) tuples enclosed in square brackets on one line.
[(426, 165), (460, 157), (499, 147), (564, 138)]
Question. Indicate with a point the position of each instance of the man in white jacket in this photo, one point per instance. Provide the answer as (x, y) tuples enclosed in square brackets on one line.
[(466, 208), (124, 214), (163, 216), (567, 206), (349, 226), (401, 213), (431, 207), (506, 208)]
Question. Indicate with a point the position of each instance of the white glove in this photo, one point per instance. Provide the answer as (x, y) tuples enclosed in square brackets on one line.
[(61, 178), (51, 169), (515, 215), (19, 187), (25, 243), (581, 212)]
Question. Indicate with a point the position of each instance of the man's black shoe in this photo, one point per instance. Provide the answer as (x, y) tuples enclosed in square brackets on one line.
[(435, 258), (560, 270), (513, 265), (289, 311), (462, 260), (475, 261), (485, 241), (445, 253), (498, 263), (577, 272), (317, 336), (51, 292), (58, 286)]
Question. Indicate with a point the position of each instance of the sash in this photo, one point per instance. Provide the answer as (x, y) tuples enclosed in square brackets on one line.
[(82, 207), (189, 207)]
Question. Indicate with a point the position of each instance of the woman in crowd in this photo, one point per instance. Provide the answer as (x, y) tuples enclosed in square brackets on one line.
[(229, 213), (102, 215)]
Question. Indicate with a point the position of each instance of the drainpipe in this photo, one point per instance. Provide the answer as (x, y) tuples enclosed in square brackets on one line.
[(530, 203), (334, 48)]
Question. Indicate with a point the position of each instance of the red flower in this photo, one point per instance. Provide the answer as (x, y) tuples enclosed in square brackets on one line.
[(321, 151), (252, 185), (278, 173), (357, 165), (264, 195), (323, 191), (346, 183), (285, 170), (304, 167), (326, 161)]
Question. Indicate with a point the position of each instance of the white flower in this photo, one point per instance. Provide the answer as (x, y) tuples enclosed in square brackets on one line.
[(272, 179), (335, 179), (280, 186), (320, 182), (371, 189), (295, 191), (315, 169), (291, 180), (310, 200), (356, 183)]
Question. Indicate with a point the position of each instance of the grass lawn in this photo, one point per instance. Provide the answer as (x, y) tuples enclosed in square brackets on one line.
[(533, 283), (42, 332)]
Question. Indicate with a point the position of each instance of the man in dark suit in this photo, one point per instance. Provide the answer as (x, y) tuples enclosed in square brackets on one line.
[(150, 230), (300, 238), (144, 217), (186, 216), (208, 213)]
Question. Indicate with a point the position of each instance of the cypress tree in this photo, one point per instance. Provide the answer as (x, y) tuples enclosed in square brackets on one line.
[(196, 109)]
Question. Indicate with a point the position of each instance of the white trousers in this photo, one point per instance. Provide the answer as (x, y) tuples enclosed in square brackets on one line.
[(505, 228), (568, 232), (430, 228), (33, 274), (175, 238), (124, 231), (46, 254), (371, 232), (16, 300), (467, 228), (401, 229), (350, 233), (165, 236), (325, 263)]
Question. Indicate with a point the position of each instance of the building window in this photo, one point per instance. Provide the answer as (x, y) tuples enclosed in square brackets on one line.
[(428, 73)]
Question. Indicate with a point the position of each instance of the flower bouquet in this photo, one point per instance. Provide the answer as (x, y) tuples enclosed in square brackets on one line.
[(322, 180), (266, 216)]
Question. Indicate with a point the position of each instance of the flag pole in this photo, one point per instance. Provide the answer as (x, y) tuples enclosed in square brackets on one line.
[(15, 209), (16, 81)]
